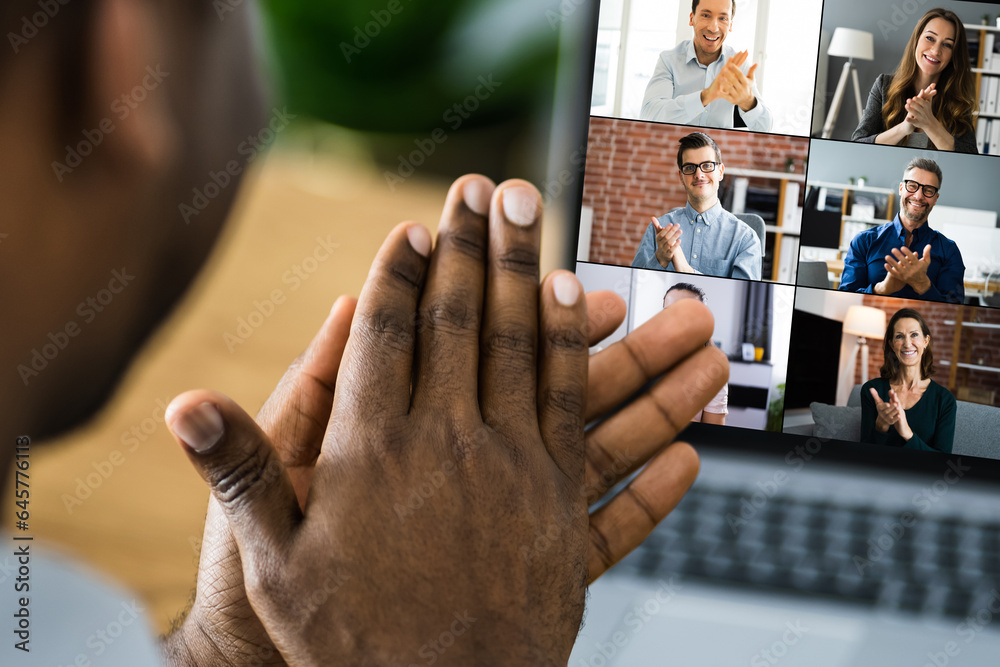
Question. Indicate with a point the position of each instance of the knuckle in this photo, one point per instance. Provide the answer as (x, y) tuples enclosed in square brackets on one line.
[(242, 481), (388, 328), (569, 401), (451, 312), (468, 242), (511, 341), (521, 261), (566, 340), (406, 274)]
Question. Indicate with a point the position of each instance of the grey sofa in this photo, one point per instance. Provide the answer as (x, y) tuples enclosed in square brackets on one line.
[(977, 427)]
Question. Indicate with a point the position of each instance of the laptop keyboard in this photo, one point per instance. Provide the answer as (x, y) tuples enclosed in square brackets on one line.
[(905, 560)]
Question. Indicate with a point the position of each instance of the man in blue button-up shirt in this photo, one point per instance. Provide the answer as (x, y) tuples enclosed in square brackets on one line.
[(702, 82), (905, 257), (702, 237)]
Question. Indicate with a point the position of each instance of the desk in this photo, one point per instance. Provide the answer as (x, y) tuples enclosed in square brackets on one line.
[(972, 287)]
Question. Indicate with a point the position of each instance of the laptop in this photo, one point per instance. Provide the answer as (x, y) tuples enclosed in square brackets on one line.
[(789, 549)]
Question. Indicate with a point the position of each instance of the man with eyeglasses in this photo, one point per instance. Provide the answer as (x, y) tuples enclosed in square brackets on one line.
[(906, 258), (702, 82), (702, 237)]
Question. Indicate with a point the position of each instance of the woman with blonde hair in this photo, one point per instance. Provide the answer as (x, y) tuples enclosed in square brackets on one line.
[(929, 101)]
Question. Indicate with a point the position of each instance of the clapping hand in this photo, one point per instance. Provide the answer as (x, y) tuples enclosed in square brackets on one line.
[(891, 414), (906, 266), (668, 245)]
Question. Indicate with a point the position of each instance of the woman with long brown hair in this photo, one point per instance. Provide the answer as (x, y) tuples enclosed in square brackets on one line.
[(905, 407), (929, 101)]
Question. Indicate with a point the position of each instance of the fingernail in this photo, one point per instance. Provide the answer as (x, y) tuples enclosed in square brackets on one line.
[(520, 205), (477, 194), (200, 428), (567, 289), (420, 239)]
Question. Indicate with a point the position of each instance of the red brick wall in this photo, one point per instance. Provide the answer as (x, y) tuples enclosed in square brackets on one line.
[(632, 175), (976, 343)]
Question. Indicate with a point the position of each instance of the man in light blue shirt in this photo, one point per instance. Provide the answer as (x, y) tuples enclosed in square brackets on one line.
[(702, 237), (702, 82)]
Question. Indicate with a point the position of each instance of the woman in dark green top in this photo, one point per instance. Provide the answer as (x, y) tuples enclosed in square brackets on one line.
[(904, 407)]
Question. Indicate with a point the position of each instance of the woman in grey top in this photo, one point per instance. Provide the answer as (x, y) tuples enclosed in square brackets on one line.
[(929, 101)]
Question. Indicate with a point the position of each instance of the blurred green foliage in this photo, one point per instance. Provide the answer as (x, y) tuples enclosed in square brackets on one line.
[(399, 65)]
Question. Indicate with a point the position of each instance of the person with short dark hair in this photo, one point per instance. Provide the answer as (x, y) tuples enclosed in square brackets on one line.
[(930, 99), (905, 407), (702, 237), (905, 257), (701, 81), (717, 409)]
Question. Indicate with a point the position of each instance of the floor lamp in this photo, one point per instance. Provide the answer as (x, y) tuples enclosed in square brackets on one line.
[(847, 43), (864, 322)]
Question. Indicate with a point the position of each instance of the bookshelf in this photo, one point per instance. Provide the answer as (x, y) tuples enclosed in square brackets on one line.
[(961, 366), (986, 66), (781, 248), (831, 250)]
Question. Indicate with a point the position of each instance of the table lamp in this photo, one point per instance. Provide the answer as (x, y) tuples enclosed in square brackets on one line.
[(864, 322)]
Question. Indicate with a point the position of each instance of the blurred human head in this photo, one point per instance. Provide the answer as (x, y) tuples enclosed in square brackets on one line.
[(682, 291), (114, 113), (907, 342)]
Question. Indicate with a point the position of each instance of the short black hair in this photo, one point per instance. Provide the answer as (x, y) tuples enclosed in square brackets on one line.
[(687, 287), (696, 140), (694, 8), (927, 165)]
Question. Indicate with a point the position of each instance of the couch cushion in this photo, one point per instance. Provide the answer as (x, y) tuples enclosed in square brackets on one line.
[(836, 422)]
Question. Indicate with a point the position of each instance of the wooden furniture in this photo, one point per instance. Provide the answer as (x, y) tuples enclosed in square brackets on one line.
[(779, 231), (962, 365)]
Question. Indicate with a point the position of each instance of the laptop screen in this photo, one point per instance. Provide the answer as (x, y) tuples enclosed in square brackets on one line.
[(824, 179)]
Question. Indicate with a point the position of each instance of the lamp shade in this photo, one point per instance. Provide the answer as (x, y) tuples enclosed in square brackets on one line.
[(850, 43), (865, 321)]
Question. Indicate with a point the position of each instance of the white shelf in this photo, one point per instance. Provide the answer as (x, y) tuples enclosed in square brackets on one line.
[(776, 175), (778, 229), (987, 72), (979, 26), (844, 186), (973, 367), (848, 218), (974, 325)]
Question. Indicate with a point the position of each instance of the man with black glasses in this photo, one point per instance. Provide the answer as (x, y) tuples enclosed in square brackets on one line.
[(702, 237), (905, 257)]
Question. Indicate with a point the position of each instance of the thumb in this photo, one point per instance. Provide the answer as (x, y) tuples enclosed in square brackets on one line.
[(927, 253), (878, 400), (243, 471), (751, 71), (656, 223)]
